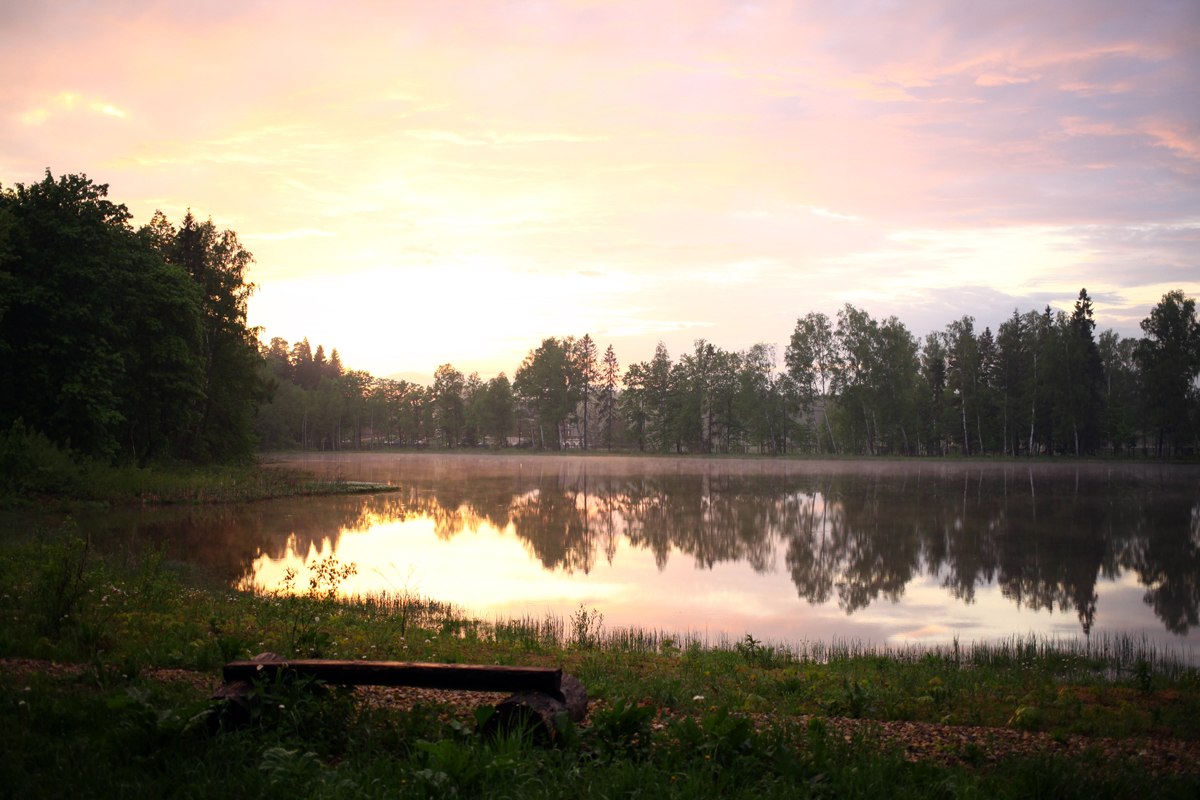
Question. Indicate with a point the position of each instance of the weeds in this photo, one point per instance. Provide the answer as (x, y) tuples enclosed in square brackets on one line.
[(855, 700), (621, 729), (305, 617), (760, 655), (586, 627), (60, 580)]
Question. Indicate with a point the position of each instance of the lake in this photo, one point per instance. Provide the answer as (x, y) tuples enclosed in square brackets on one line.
[(885, 552)]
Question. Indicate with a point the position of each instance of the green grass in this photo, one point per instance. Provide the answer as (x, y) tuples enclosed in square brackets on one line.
[(672, 717), (93, 485)]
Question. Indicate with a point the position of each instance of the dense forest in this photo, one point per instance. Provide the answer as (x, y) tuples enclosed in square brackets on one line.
[(131, 346), (122, 345)]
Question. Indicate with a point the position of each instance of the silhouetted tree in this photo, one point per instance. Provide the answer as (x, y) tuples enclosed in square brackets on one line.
[(812, 362), (101, 342), (608, 394), (547, 381), (449, 412), (231, 386), (1169, 359)]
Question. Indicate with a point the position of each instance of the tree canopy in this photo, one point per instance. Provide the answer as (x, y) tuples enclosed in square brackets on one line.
[(122, 344)]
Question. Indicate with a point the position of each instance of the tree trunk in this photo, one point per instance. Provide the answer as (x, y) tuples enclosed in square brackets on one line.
[(1033, 404), (1004, 426), (829, 428), (966, 439), (584, 445)]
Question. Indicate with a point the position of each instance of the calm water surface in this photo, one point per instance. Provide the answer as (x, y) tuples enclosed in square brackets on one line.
[(885, 552)]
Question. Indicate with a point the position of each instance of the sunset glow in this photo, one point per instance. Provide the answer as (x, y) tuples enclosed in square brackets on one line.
[(424, 183)]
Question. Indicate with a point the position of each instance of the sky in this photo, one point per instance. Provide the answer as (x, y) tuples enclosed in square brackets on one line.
[(441, 182)]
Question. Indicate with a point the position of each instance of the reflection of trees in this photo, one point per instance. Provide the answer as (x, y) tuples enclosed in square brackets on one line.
[(812, 547), (1051, 547), (1169, 565), (713, 519), (1043, 537), (226, 539), (553, 521)]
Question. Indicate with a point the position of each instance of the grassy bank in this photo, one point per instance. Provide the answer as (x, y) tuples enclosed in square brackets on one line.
[(107, 665), (76, 484)]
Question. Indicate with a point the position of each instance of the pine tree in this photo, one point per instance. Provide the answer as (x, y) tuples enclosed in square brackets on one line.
[(608, 394)]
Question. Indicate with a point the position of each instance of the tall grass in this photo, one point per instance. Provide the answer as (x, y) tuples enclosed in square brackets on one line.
[(1106, 655)]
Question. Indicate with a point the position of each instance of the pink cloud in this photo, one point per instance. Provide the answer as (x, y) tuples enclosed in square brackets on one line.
[(632, 138)]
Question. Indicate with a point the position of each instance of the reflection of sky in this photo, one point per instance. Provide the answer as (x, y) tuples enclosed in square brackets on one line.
[(490, 573)]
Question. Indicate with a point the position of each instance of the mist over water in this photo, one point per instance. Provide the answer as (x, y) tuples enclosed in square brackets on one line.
[(885, 552)]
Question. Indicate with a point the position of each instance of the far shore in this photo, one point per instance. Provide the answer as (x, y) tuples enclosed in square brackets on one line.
[(482, 461)]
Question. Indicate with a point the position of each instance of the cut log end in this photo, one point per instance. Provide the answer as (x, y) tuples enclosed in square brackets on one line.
[(538, 714)]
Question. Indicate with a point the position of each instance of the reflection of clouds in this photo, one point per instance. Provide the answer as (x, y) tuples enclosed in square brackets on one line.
[(923, 632)]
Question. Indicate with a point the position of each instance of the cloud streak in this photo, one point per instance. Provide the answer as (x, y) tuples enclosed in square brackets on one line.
[(722, 168)]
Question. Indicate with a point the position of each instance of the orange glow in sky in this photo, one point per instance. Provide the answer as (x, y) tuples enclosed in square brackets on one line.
[(427, 182)]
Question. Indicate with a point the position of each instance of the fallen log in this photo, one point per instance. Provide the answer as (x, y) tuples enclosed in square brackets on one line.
[(542, 697), (462, 677)]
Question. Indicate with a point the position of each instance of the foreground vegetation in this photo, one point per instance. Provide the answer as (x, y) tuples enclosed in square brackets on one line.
[(106, 665)]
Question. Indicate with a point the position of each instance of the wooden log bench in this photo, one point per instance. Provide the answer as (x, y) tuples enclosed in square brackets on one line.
[(541, 695)]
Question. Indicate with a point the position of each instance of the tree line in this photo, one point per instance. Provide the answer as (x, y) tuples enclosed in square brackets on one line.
[(122, 344), (131, 345), (1044, 383)]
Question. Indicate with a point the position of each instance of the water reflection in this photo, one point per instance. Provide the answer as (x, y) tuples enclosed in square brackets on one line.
[(851, 538)]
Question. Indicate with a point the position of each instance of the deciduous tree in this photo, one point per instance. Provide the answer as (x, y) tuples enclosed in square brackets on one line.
[(1169, 358)]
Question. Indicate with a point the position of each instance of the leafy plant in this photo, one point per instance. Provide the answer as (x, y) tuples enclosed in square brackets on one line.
[(586, 627), (757, 654), (305, 617), (1027, 718), (290, 768), (1143, 675), (60, 579), (854, 700), (621, 729)]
